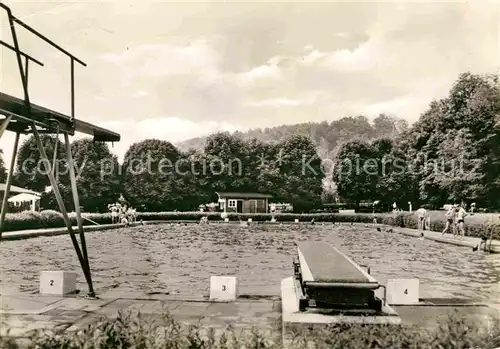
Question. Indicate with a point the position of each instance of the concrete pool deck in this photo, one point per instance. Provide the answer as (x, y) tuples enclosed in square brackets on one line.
[(467, 241), (23, 314)]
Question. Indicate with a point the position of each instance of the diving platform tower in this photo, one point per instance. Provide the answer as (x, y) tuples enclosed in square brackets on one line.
[(23, 117)]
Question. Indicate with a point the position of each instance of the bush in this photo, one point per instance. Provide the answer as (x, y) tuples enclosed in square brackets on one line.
[(163, 331), (48, 219), (22, 221), (51, 219)]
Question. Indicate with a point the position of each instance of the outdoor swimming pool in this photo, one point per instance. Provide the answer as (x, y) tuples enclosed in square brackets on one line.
[(180, 259)]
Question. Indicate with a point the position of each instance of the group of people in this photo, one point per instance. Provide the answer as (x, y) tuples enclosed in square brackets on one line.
[(122, 213), (455, 220)]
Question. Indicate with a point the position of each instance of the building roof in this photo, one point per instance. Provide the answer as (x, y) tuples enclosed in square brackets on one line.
[(17, 190), (234, 195), (24, 197)]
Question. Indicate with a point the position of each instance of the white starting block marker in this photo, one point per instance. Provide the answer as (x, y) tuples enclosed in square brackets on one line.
[(403, 291), (223, 288), (273, 220), (57, 282), (296, 220), (249, 220), (226, 219)]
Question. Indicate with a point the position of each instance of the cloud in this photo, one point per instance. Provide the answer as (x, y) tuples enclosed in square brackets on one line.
[(250, 65), (305, 100), (268, 72), (153, 60), (280, 102)]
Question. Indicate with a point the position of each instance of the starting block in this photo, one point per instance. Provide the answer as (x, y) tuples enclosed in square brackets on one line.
[(226, 219), (403, 291), (223, 288), (249, 220), (57, 282), (296, 220)]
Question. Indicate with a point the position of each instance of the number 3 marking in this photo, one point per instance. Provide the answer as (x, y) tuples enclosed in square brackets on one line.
[(223, 287)]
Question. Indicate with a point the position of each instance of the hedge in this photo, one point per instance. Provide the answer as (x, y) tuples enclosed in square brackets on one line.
[(53, 219), (47, 219), (163, 331)]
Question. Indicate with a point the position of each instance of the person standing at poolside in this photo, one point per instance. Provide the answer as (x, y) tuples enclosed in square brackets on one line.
[(472, 208), (421, 216), (461, 220), (450, 220)]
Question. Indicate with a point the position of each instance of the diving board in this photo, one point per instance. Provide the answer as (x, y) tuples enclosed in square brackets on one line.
[(322, 262), (327, 278), (328, 287), (51, 120)]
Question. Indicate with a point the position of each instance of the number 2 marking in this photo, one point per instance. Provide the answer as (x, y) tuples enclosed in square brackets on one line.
[(223, 287), (51, 282)]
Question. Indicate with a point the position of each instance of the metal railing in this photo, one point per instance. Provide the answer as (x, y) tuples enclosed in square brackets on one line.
[(24, 70)]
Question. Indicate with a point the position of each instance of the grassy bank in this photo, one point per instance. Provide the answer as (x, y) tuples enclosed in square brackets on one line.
[(164, 332), (476, 225)]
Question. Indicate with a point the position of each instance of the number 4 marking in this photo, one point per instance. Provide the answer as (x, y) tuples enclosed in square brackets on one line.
[(223, 287), (406, 291)]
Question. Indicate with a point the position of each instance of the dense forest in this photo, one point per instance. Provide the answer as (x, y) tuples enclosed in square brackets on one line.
[(326, 136)]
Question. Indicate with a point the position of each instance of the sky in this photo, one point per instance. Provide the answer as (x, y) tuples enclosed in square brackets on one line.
[(174, 71)]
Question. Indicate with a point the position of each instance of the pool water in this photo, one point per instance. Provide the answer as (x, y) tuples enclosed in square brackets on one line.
[(179, 259)]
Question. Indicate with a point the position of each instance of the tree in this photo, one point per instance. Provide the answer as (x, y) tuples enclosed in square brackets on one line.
[(3, 170), (466, 118), (98, 174), (459, 173), (266, 172), (356, 172), (30, 170), (386, 125), (192, 180), (227, 164), (395, 180), (301, 173), (151, 175)]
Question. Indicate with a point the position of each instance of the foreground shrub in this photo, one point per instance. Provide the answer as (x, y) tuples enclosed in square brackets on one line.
[(162, 331)]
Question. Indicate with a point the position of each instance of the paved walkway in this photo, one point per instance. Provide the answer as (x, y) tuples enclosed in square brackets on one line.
[(23, 314), (467, 241)]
